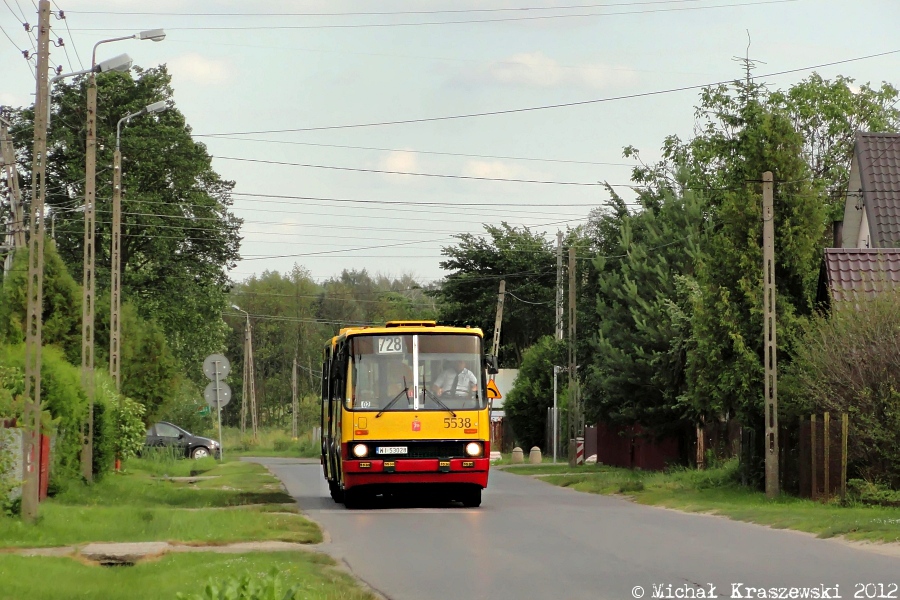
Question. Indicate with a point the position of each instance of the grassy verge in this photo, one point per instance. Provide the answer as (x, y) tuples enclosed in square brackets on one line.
[(187, 573), (716, 491), (144, 504), (273, 443)]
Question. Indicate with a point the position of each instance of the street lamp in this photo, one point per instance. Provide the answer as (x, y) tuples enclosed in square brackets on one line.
[(90, 194), (115, 325), (249, 388)]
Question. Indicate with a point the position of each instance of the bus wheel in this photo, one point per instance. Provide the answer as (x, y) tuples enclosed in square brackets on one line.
[(337, 494), (471, 498)]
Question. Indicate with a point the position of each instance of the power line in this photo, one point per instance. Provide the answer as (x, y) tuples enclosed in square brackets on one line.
[(431, 152), (549, 106), (385, 172), (458, 22), (381, 13)]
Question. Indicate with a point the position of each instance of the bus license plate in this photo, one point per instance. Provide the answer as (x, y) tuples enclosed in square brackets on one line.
[(391, 450)]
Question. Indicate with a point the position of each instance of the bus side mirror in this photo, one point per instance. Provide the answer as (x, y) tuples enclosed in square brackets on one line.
[(490, 363)]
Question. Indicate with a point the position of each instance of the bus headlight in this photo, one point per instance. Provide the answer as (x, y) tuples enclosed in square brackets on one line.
[(360, 450), (473, 449)]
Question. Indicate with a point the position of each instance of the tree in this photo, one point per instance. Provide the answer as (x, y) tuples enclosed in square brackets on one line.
[(61, 311), (532, 394), (827, 114), (640, 337), (468, 295), (178, 236)]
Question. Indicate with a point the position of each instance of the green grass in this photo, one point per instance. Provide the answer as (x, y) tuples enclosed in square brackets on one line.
[(145, 484), (188, 573), (716, 491), (246, 504), (271, 442), (60, 525)]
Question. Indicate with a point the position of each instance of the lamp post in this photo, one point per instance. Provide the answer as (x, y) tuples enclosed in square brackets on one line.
[(249, 387), (90, 194), (115, 325)]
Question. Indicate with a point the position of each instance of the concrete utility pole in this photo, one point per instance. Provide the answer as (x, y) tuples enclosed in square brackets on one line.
[(559, 286), (15, 235), (769, 327), (115, 290), (295, 405), (31, 486), (575, 425), (498, 322), (88, 287)]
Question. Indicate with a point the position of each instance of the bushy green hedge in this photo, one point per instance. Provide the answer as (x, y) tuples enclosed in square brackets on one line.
[(64, 399)]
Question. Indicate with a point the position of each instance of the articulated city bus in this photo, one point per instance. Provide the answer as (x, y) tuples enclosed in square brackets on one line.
[(405, 408)]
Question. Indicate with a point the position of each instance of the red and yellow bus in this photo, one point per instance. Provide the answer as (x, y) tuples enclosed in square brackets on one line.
[(405, 408)]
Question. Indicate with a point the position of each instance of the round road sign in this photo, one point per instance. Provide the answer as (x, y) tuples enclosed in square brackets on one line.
[(224, 394), (213, 362)]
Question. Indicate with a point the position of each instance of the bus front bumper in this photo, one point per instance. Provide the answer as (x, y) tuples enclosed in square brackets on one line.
[(421, 470)]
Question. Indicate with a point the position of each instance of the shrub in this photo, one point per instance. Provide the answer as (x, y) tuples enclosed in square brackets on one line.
[(129, 428), (8, 481), (849, 363)]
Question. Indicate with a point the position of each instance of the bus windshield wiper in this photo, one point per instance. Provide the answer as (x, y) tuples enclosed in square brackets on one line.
[(405, 390), (438, 401)]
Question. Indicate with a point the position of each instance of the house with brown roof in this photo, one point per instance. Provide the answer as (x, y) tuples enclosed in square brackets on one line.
[(867, 257)]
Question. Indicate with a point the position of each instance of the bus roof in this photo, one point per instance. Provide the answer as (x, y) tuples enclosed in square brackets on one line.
[(394, 327)]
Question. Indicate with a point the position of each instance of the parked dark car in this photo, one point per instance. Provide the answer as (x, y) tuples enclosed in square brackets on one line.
[(194, 446)]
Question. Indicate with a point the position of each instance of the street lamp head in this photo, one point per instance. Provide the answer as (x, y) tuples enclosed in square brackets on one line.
[(154, 35), (119, 63), (235, 307), (156, 107)]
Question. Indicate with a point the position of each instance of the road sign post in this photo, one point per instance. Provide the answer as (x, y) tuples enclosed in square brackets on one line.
[(217, 394)]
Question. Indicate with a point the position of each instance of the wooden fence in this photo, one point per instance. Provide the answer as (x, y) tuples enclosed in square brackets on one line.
[(823, 456)]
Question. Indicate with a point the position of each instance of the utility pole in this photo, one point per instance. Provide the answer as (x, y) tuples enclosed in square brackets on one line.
[(253, 416), (559, 286), (15, 235), (88, 288), (115, 327), (575, 425), (498, 322), (31, 486), (771, 365), (295, 405), (245, 392)]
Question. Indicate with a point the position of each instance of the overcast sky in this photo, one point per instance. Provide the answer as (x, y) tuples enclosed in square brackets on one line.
[(288, 66)]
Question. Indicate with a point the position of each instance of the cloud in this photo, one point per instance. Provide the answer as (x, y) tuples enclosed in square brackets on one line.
[(13, 100), (535, 69), (200, 69), (492, 169), (401, 161)]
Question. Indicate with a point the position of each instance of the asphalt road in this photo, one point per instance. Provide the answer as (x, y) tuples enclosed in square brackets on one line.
[(531, 540)]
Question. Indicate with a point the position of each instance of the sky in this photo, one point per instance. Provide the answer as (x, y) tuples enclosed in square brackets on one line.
[(316, 89)]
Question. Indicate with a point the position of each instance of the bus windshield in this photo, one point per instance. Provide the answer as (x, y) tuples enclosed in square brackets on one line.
[(397, 372)]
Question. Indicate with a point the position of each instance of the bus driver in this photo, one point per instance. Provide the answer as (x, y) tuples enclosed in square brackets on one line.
[(456, 382)]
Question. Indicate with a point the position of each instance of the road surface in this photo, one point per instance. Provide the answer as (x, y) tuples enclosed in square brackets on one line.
[(532, 540)]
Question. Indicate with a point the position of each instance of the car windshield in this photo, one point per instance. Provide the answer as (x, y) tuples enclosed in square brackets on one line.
[(416, 372)]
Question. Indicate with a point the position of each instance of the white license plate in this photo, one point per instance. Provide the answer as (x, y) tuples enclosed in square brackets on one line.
[(390, 450)]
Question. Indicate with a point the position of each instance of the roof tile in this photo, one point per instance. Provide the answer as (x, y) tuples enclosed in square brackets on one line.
[(855, 272)]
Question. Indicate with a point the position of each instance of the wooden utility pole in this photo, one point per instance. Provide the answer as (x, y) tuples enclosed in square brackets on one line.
[(498, 322), (769, 327), (295, 404), (88, 288), (575, 419), (559, 286), (32, 413)]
